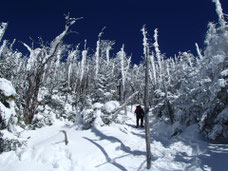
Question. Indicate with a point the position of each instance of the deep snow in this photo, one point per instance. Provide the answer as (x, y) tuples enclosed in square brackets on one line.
[(114, 147)]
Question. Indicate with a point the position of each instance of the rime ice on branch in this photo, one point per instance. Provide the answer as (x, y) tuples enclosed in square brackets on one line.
[(3, 27), (219, 11)]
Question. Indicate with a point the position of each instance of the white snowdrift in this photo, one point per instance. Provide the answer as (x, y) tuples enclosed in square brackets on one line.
[(224, 73), (217, 59), (6, 88), (111, 106), (7, 112)]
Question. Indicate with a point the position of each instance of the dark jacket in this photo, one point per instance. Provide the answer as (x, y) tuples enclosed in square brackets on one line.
[(139, 112)]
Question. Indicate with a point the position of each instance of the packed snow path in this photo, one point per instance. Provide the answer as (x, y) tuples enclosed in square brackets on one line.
[(115, 147)]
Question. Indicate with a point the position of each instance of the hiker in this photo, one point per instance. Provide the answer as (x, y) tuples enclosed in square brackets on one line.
[(139, 115)]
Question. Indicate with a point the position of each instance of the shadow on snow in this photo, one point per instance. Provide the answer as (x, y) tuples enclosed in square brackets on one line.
[(123, 147)]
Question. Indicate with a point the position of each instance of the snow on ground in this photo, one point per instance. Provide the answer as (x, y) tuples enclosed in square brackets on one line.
[(115, 147)]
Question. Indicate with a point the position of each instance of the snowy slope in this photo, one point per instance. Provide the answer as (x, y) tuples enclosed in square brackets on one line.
[(114, 147)]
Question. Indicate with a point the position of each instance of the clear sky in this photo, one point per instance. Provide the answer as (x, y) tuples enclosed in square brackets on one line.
[(180, 23)]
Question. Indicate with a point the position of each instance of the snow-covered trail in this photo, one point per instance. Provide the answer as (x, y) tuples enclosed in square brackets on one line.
[(115, 147)]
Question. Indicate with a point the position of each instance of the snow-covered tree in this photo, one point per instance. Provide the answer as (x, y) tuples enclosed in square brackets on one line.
[(157, 52), (106, 47), (219, 12), (146, 97), (122, 56), (37, 62), (83, 62), (97, 53), (213, 122)]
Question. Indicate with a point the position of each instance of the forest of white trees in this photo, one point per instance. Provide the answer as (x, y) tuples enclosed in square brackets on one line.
[(57, 80)]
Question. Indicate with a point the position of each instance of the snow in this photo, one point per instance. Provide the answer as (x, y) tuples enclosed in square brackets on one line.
[(6, 88), (222, 83), (114, 147), (6, 112), (219, 12), (83, 63), (3, 46), (198, 51), (217, 59), (111, 106), (122, 55), (157, 50), (224, 73), (97, 105), (97, 55)]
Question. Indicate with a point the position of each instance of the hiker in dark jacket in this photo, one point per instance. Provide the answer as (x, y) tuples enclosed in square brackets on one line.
[(139, 115)]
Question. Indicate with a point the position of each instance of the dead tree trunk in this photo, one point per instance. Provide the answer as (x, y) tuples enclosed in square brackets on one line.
[(115, 115), (3, 27), (146, 104), (35, 78)]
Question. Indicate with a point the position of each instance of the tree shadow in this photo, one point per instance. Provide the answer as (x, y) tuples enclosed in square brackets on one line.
[(108, 159), (140, 134), (59, 142), (113, 139), (215, 157), (205, 155), (131, 125), (113, 160), (141, 165), (123, 147)]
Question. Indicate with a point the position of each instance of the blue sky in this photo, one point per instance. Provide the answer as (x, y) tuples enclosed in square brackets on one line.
[(180, 23)]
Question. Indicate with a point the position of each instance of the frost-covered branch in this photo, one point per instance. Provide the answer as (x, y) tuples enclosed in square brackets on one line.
[(198, 51), (122, 56), (115, 115), (27, 46), (219, 11), (57, 41), (157, 50), (11, 45), (146, 51), (226, 15), (83, 62), (97, 53), (3, 27), (188, 56), (211, 33), (153, 69), (145, 41), (2, 47), (37, 65)]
